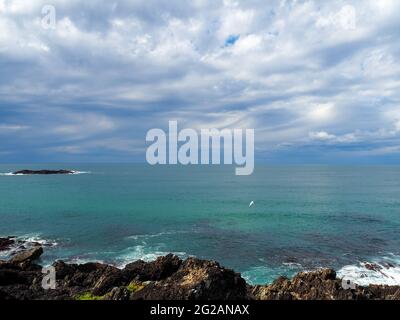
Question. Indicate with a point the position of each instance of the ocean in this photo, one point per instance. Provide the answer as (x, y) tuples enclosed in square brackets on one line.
[(303, 217)]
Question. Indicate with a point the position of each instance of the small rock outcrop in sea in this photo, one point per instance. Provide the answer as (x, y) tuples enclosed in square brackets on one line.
[(43, 172), (27, 255), (6, 243), (167, 278)]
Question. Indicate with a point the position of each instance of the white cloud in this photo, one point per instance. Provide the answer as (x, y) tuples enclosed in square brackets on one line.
[(322, 136), (326, 72), (321, 112), (12, 127)]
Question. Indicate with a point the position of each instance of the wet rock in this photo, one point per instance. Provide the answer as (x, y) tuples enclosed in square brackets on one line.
[(27, 255), (373, 267), (6, 243)]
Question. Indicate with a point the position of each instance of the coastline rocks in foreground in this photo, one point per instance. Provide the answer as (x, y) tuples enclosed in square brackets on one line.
[(196, 280), (321, 285), (23, 172), (168, 278)]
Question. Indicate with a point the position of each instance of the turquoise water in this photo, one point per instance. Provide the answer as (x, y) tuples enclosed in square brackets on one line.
[(304, 216)]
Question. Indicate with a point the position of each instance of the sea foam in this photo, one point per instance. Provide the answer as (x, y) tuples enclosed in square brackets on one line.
[(383, 271)]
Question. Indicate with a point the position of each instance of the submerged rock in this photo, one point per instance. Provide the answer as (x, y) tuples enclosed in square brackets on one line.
[(43, 172)]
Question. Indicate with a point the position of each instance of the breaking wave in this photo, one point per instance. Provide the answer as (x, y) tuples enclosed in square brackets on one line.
[(382, 271)]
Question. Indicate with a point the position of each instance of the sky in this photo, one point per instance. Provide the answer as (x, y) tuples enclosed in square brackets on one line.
[(318, 80)]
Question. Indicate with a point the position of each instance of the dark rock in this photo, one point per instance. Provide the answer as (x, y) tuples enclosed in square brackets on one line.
[(373, 267), (28, 255), (196, 280), (4, 295), (156, 270), (320, 285), (120, 294), (43, 172), (63, 269), (8, 277), (97, 278), (110, 279), (6, 243)]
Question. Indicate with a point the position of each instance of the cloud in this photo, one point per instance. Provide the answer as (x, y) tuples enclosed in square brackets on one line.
[(304, 74), (12, 127), (322, 136)]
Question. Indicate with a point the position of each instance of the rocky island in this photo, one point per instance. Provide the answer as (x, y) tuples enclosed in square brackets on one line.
[(167, 278), (23, 172)]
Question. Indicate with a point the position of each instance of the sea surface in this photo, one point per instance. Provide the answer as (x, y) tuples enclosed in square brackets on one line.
[(303, 217)]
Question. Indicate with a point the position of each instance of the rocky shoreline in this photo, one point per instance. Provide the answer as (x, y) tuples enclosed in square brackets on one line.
[(167, 278)]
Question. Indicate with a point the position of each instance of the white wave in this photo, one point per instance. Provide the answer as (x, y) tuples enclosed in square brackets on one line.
[(155, 235), (140, 252), (292, 265), (9, 174), (36, 238), (26, 241), (81, 172), (80, 260), (385, 271)]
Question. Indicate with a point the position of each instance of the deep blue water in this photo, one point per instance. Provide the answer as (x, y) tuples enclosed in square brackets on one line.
[(304, 216)]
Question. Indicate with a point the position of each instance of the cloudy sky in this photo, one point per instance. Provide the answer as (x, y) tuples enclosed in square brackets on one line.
[(318, 80)]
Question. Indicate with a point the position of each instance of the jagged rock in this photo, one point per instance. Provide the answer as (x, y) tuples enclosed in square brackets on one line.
[(8, 277), (320, 285), (388, 292), (156, 270), (196, 279), (97, 278), (43, 172), (63, 269), (315, 285), (113, 277), (120, 294), (373, 267), (27, 255)]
